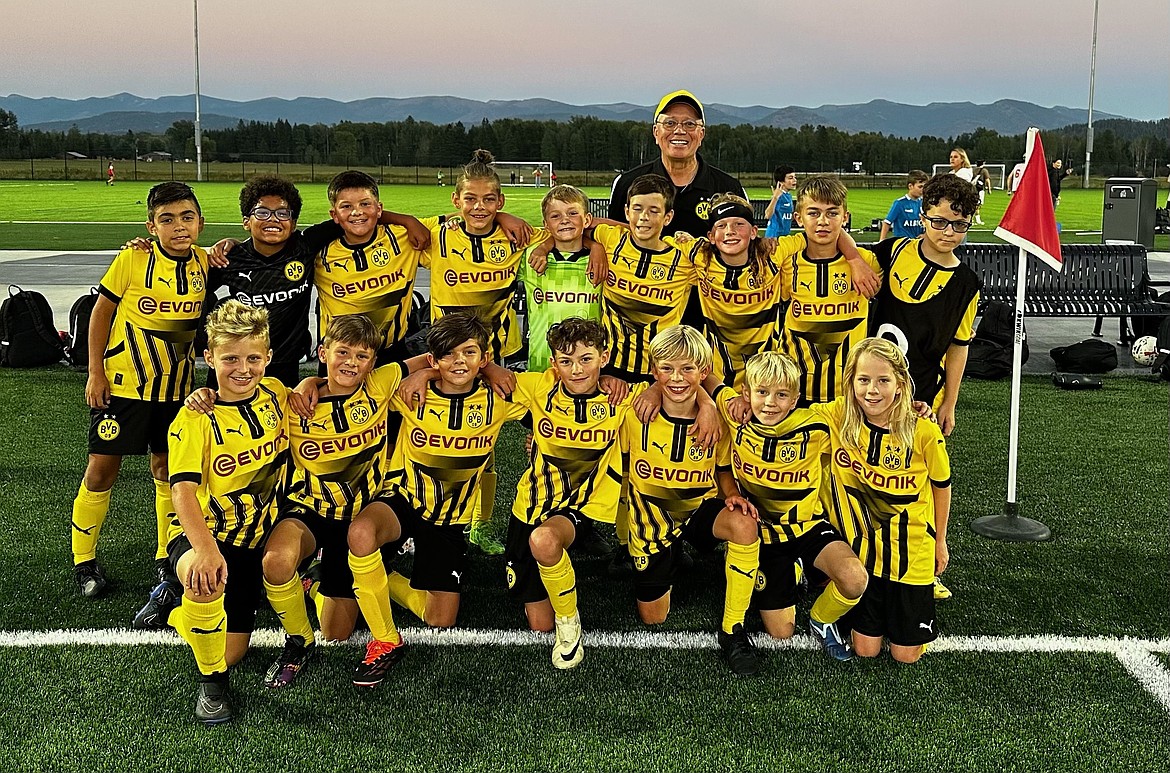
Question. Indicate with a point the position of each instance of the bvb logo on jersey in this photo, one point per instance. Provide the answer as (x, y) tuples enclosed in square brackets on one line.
[(703, 209), (475, 418), (641, 562), (197, 281), (108, 429), (892, 459), (270, 420), (787, 453), (511, 574), (840, 283), (597, 411), (380, 258), (360, 413), (761, 580), (294, 270), (498, 253), (697, 453), (658, 273)]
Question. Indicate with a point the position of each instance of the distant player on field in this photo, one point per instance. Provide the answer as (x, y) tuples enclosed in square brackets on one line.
[(904, 220)]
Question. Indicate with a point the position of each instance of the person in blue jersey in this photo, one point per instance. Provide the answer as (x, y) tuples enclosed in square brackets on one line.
[(780, 208), (904, 220)]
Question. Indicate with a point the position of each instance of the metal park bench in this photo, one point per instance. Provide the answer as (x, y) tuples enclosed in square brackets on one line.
[(1098, 280)]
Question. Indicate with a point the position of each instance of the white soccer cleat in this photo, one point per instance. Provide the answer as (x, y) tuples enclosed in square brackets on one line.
[(568, 651)]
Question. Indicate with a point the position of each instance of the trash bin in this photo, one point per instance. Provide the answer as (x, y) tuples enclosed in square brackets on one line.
[(1129, 212)]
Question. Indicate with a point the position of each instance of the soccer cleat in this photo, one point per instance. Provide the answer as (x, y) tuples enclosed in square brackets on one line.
[(831, 640), (292, 659), (567, 651), (483, 539), (91, 578), (621, 563), (741, 654), (941, 592), (380, 656), (213, 702), (163, 571), (310, 577), (407, 548), (163, 599)]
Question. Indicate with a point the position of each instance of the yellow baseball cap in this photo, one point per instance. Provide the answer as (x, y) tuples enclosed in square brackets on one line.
[(685, 97)]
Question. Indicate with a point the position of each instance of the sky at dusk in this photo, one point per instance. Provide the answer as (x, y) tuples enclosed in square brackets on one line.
[(739, 52)]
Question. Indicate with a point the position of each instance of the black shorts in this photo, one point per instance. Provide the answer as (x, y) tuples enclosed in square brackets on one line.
[(244, 591), (655, 574), (440, 552), (288, 373), (131, 427), (523, 573), (902, 613), (776, 580), (628, 376), (331, 537)]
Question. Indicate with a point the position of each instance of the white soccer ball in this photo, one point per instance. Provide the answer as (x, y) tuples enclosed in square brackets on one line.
[(1145, 351)]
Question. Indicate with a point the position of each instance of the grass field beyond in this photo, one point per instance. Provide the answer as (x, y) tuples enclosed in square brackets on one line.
[(1093, 466)]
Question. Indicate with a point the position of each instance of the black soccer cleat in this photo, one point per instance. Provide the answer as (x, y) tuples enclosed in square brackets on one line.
[(621, 563), (163, 571), (163, 599), (91, 578), (741, 654), (213, 701), (293, 657), (380, 657)]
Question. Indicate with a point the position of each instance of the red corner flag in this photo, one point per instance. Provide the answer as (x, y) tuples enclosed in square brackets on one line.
[(1030, 222)]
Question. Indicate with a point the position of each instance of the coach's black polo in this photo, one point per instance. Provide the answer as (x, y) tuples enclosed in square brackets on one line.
[(691, 201)]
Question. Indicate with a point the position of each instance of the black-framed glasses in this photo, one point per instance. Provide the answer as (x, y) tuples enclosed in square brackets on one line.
[(264, 213), (670, 124), (941, 224)]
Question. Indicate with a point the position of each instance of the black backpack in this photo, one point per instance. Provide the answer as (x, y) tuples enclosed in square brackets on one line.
[(1162, 361), (79, 313), (28, 337), (989, 355), (1089, 356)]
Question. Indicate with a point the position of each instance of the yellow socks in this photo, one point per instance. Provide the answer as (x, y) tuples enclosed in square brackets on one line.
[(741, 565), (203, 625), (89, 513), (831, 605), (288, 601), (561, 583), (406, 596), (370, 587), (164, 513)]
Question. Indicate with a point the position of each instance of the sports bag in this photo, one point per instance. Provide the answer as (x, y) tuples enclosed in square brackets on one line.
[(79, 313), (988, 360), (28, 337), (1162, 361), (1089, 356), (998, 324)]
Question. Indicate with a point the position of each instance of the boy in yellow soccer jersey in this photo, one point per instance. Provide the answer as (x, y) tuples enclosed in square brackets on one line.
[(442, 449), (227, 469), (777, 459), (574, 473), (141, 365), (826, 313), (681, 491)]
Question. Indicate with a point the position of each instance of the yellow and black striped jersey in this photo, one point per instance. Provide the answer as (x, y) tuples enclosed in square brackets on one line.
[(375, 279), (576, 459), (741, 308), (645, 291), (478, 273), (150, 354), (779, 468), (670, 476), (443, 447), (340, 455), (826, 315), (237, 456), (882, 498)]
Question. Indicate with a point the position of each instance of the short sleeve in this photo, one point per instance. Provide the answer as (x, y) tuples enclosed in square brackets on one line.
[(117, 278), (187, 446), (385, 379), (966, 330), (933, 450), (317, 237), (892, 215), (539, 236), (723, 451), (528, 385)]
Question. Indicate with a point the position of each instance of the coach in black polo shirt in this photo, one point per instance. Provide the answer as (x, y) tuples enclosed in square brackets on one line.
[(678, 130)]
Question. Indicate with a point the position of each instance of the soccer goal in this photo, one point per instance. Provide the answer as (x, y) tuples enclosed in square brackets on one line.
[(529, 174), (997, 172)]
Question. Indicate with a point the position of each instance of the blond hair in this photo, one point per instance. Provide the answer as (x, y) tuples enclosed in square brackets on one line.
[(823, 188), (235, 321), (681, 342), (771, 369), (354, 330), (566, 194), (478, 168), (902, 416)]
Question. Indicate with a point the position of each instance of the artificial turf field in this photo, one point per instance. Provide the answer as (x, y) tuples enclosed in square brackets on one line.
[(1053, 656)]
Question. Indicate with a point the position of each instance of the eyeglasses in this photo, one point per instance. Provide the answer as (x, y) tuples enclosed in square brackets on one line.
[(670, 124), (264, 213), (941, 224)]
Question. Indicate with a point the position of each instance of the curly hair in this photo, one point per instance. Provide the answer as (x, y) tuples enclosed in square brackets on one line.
[(269, 185), (960, 193)]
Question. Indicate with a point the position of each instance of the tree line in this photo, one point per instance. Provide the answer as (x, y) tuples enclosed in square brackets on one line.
[(585, 143)]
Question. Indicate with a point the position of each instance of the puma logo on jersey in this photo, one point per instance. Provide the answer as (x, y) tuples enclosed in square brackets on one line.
[(461, 253), (165, 281), (901, 280), (660, 446), (237, 430), (561, 409), (927, 626), (806, 285), (436, 413), (319, 424), (177, 435), (217, 629), (457, 575), (245, 275), (342, 264)]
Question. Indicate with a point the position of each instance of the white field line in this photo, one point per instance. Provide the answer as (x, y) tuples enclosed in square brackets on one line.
[(1149, 672)]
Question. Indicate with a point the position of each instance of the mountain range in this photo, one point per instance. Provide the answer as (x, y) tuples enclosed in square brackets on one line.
[(127, 112)]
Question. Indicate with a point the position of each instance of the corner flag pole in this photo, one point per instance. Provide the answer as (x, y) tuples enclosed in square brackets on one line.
[(1010, 525)]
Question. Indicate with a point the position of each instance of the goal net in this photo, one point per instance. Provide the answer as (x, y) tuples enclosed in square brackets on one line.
[(997, 172), (529, 174)]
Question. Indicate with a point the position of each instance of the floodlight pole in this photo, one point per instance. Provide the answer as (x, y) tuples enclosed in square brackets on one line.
[(1092, 79), (198, 128)]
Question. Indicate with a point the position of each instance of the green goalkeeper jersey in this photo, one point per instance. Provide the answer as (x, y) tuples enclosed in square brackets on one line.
[(563, 291)]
